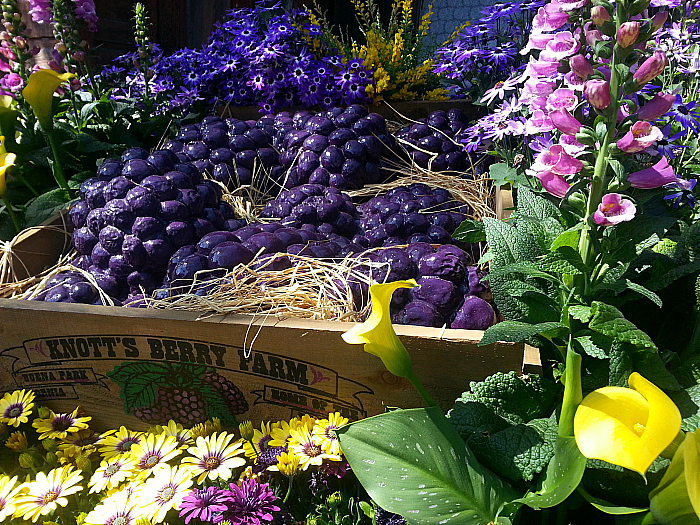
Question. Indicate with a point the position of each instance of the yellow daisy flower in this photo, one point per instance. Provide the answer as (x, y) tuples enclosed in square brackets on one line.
[(214, 457), (112, 472), (118, 509), (287, 464), (60, 425), (323, 434), (260, 441), (15, 407), (207, 428), (8, 490), (114, 443), (307, 420), (17, 441), (182, 435), (309, 452), (81, 443), (153, 453), (164, 491), (47, 492), (281, 434)]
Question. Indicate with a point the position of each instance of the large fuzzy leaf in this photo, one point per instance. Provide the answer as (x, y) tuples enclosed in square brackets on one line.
[(413, 463)]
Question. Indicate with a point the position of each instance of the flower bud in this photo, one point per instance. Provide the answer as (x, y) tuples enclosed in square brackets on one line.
[(597, 93), (26, 460), (593, 36), (628, 33), (656, 107), (246, 430), (580, 66), (659, 19), (75, 84), (334, 500), (20, 42), (599, 15), (82, 462), (78, 56), (51, 458), (49, 444), (44, 412), (651, 68), (60, 47), (564, 122)]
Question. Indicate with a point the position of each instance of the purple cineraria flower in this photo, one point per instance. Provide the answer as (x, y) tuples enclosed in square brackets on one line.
[(499, 90), (665, 3), (687, 115), (204, 505), (683, 189), (665, 146), (250, 504)]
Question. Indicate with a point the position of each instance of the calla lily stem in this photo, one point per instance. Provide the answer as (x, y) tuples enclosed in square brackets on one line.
[(421, 390), (57, 167), (8, 207)]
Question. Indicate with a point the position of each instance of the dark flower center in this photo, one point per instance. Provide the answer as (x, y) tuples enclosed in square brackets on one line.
[(49, 497), (14, 410), (211, 463), (62, 423)]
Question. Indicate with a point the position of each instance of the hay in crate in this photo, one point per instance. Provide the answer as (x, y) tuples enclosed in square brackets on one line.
[(311, 289)]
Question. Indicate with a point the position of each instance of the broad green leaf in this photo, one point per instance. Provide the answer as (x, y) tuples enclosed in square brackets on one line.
[(516, 331), (545, 231), (591, 345), (569, 238), (665, 279), (580, 312), (565, 261), (621, 364), (618, 168), (470, 231), (607, 507), (502, 174), (502, 241), (531, 205), (609, 321), (45, 206), (563, 475), (526, 268), (413, 463)]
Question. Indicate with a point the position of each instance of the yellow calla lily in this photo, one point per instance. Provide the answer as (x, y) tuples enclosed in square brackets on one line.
[(6, 102), (628, 427), (39, 93), (377, 332), (676, 500), (6, 160)]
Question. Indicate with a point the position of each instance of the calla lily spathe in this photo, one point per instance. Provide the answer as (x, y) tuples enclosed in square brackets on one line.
[(676, 500), (377, 332), (6, 160), (39, 93), (628, 427)]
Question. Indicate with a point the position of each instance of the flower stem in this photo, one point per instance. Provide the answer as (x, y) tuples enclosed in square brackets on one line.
[(572, 392), (57, 167), (289, 489), (421, 390), (8, 207)]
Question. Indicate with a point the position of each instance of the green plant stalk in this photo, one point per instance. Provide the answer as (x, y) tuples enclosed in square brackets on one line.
[(573, 394), (289, 489), (8, 207), (421, 390), (57, 167)]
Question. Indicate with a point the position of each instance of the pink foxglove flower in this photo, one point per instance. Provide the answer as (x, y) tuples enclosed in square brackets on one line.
[(562, 98), (553, 183), (549, 18), (536, 88), (581, 66), (571, 145), (597, 93), (651, 68), (570, 5), (539, 68), (659, 19), (593, 36), (538, 103), (657, 106), (562, 46), (558, 161), (613, 210), (640, 137), (628, 33), (536, 41), (539, 122), (564, 122), (656, 176), (40, 11), (574, 82), (599, 15)]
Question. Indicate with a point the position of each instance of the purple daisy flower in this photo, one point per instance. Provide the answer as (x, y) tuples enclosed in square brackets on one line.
[(204, 505), (684, 189), (250, 504), (687, 115), (666, 145)]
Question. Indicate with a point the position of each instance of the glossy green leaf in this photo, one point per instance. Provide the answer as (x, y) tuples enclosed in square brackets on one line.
[(515, 331), (413, 463), (610, 508)]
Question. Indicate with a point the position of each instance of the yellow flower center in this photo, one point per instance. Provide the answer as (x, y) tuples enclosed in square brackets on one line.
[(638, 429), (112, 469), (211, 463), (49, 497), (151, 461), (167, 494), (313, 450), (119, 520), (607, 207)]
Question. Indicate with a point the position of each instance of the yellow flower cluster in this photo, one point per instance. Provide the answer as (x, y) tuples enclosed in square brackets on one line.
[(144, 475), (393, 54)]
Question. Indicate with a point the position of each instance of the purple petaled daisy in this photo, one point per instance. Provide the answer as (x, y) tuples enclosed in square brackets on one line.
[(687, 115), (683, 188), (205, 505), (250, 504), (665, 145)]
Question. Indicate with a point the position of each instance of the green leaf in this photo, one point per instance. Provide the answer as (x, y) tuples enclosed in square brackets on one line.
[(621, 364), (502, 242), (608, 320), (581, 312), (87, 110), (470, 231), (593, 345), (534, 206), (217, 406), (565, 261), (502, 174), (563, 475), (568, 238), (665, 279), (653, 368), (45, 206), (413, 463), (641, 290), (516, 331), (618, 168), (545, 231), (607, 507), (526, 268)]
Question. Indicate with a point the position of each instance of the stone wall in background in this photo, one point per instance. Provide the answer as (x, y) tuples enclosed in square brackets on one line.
[(448, 14)]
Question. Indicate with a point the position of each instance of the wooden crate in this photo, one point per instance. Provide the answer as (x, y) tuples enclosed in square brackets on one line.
[(283, 367)]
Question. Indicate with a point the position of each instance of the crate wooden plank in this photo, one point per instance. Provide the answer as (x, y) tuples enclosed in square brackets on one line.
[(65, 352)]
